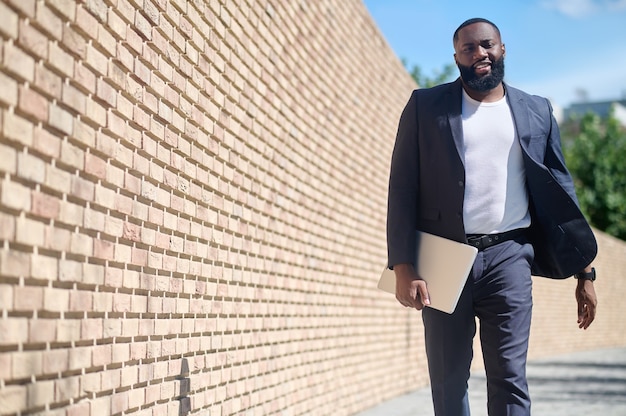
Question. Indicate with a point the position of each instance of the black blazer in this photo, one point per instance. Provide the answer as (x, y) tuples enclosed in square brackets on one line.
[(427, 180)]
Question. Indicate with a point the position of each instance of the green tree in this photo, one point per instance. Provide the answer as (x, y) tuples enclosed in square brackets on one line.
[(595, 152), (424, 81)]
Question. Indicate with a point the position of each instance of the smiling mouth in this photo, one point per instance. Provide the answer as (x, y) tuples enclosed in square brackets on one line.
[(482, 67)]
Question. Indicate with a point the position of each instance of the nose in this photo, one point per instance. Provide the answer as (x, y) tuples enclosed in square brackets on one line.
[(480, 52)]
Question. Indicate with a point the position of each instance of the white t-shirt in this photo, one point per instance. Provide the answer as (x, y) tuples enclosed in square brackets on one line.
[(496, 199)]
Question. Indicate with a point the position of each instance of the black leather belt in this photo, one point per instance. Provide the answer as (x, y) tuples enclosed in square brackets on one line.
[(482, 241)]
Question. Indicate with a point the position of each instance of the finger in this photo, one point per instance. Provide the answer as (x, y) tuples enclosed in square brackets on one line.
[(586, 318), (423, 295)]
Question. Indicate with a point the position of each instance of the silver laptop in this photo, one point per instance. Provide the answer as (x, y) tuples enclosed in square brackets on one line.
[(444, 265)]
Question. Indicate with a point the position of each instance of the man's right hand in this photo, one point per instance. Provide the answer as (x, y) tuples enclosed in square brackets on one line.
[(411, 290)]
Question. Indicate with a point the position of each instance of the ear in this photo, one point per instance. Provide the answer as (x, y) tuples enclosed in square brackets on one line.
[(503, 50), (455, 61)]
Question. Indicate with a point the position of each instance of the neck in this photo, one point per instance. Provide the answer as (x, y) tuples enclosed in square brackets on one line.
[(490, 96)]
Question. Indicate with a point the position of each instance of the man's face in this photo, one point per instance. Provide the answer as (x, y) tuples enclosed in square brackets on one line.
[(479, 55)]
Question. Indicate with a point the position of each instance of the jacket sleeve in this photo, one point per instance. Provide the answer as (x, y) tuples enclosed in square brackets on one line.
[(403, 180), (554, 159)]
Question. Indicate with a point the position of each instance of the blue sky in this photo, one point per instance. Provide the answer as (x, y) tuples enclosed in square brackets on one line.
[(554, 47)]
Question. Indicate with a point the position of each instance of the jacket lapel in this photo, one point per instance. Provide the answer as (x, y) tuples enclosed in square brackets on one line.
[(521, 118), (453, 101)]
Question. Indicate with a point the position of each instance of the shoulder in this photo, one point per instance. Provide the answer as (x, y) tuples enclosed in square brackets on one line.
[(439, 94), (440, 90), (531, 100)]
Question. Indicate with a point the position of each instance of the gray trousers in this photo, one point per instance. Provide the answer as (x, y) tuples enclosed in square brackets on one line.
[(498, 292)]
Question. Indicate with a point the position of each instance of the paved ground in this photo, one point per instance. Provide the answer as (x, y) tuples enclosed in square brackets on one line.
[(587, 383)]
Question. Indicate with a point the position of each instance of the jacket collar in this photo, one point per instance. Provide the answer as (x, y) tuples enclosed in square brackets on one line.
[(515, 98)]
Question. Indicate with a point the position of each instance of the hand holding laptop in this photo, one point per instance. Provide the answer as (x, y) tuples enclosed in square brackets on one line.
[(444, 266), (411, 290)]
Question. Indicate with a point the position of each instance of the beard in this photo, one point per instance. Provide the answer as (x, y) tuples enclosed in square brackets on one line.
[(485, 82)]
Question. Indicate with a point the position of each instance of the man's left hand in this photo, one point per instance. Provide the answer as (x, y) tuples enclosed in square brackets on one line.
[(587, 302)]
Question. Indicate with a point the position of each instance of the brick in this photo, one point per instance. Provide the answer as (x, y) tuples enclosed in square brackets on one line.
[(43, 267), (31, 168), (79, 409), (101, 355), (9, 89), (6, 297), (61, 119), (83, 188), (81, 301), (66, 7), (106, 92), (56, 300), (93, 273), (121, 302), (68, 330), (44, 205), (116, 124), (66, 388), (143, 26), (95, 165), (18, 129), (28, 298), (14, 263), (136, 399), (84, 78), (80, 357), (96, 112), (121, 353), (81, 244), (13, 398), (116, 23), (33, 40), (101, 406), (51, 23), (74, 98), (84, 133), (42, 330), (119, 402), (153, 393), (69, 271), (110, 379), (72, 155), (29, 232), (113, 277), (98, 9), (8, 161), (58, 179), (13, 330), (75, 42), (40, 393), (90, 382), (56, 361), (33, 103), (61, 60), (8, 21), (19, 63), (96, 60), (103, 301), (91, 328), (106, 198), (94, 220), (49, 82), (27, 363), (46, 142), (113, 328)]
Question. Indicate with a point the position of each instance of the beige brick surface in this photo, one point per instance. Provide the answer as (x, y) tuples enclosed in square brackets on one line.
[(192, 210)]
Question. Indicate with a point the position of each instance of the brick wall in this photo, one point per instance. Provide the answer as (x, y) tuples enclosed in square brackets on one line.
[(192, 208)]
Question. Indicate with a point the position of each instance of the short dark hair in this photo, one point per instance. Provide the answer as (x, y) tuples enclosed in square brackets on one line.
[(471, 22)]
